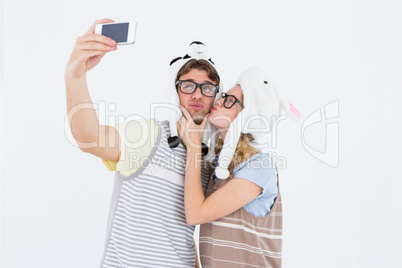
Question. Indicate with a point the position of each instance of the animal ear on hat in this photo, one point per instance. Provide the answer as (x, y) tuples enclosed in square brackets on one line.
[(174, 60), (289, 108)]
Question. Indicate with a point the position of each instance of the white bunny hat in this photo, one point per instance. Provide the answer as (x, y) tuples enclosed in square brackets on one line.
[(262, 105), (197, 51)]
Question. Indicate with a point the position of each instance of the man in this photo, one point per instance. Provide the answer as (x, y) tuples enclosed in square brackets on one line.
[(147, 225)]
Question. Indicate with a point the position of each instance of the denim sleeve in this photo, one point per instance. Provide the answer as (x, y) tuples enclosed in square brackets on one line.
[(260, 169)]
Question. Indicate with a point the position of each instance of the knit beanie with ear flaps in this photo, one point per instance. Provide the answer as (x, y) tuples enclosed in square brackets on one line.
[(262, 105), (197, 51)]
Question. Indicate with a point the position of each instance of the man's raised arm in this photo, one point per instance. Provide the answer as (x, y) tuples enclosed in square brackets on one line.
[(91, 137)]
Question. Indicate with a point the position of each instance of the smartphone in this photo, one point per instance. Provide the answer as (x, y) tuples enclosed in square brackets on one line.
[(121, 32)]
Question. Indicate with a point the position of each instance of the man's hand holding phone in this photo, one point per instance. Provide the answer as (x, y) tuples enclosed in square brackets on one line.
[(89, 49)]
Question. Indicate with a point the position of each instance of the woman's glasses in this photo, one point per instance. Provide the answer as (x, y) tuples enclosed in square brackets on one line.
[(230, 100)]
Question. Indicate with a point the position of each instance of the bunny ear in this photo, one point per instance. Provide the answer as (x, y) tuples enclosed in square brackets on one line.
[(289, 109), (294, 111)]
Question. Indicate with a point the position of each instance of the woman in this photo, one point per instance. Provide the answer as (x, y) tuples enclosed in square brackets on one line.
[(240, 216)]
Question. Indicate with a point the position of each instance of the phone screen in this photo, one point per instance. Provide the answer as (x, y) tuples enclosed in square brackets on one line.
[(117, 31)]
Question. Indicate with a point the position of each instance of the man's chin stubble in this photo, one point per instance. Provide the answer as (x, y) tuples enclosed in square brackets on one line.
[(198, 119)]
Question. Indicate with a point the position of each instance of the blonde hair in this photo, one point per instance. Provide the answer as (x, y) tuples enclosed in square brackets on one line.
[(244, 151)]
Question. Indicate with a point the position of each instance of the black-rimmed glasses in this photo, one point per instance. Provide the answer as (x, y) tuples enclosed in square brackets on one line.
[(189, 87), (230, 100)]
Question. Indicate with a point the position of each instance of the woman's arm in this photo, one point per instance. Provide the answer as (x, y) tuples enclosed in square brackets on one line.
[(233, 195)]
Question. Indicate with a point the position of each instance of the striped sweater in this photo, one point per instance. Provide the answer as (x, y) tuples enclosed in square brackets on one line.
[(147, 225), (242, 239)]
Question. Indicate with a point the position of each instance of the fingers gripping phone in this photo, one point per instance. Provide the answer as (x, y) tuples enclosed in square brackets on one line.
[(121, 32)]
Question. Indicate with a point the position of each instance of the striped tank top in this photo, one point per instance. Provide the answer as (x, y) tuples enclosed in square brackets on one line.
[(147, 225), (242, 239)]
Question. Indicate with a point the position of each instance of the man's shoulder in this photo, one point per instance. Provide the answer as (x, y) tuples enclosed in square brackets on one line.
[(132, 122), (138, 137), (136, 127), (163, 125)]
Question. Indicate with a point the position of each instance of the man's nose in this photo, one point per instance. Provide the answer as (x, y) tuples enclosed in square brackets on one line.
[(197, 93)]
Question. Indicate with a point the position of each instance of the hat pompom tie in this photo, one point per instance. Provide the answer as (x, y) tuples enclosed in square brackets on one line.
[(173, 141), (210, 156), (222, 173)]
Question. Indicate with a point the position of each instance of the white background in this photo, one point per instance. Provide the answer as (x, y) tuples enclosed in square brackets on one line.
[(55, 199)]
